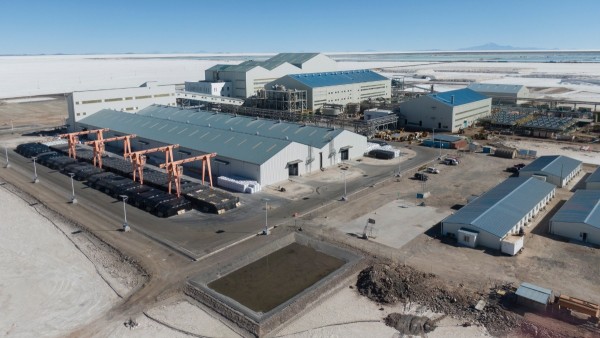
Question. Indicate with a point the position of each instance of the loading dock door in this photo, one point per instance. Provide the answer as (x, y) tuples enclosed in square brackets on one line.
[(344, 154), (293, 167), (320, 160)]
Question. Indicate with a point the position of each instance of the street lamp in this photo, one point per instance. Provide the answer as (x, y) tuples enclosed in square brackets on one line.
[(266, 231), (35, 176), (6, 153), (73, 199), (345, 196), (125, 224)]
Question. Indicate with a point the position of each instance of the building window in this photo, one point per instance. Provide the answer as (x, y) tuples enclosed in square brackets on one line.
[(143, 97), (91, 101), (466, 239), (78, 114), (113, 100)]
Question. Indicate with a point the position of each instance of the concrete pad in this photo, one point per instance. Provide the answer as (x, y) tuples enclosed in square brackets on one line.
[(397, 222)]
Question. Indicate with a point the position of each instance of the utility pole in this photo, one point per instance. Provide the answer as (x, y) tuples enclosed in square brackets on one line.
[(73, 199), (266, 231), (345, 197), (7, 165), (125, 224), (35, 176)]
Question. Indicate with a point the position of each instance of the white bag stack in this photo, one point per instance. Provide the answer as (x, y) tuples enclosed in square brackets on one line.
[(239, 184)]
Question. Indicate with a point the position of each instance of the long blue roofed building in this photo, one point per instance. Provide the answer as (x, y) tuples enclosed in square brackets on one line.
[(267, 151), (340, 87), (492, 219), (448, 111), (556, 169), (579, 217)]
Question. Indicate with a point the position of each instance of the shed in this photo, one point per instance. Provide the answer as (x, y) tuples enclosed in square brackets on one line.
[(533, 296)]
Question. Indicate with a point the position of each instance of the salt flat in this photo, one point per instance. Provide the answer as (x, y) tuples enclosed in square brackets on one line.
[(47, 286)]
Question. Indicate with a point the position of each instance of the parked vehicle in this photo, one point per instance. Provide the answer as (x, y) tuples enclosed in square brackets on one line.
[(421, 177), (451, 161), (433, 170)]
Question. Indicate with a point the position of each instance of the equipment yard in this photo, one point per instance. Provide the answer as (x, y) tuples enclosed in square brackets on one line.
[(376, 230)]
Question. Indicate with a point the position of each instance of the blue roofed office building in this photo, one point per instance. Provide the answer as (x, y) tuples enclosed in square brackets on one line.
[(579, 217), (493, 218), (339, 87), (447, 111), (556, 169)]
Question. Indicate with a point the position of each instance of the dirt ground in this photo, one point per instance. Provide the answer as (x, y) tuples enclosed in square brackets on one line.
[(38, 113)]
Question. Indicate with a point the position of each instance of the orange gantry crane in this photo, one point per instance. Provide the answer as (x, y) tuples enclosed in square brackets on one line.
[(138, 159), (175, 170), (73, 138), (99, 146)]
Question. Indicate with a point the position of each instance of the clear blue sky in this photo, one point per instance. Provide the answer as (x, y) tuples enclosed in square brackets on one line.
[(148, 26)]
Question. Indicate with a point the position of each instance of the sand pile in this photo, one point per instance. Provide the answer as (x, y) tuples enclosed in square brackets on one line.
[(390, 283)]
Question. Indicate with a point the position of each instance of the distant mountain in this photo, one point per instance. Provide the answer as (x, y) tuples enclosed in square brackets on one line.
[(494, 46)]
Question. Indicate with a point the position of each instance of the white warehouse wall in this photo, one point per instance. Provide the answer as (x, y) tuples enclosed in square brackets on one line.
[(575, 230)]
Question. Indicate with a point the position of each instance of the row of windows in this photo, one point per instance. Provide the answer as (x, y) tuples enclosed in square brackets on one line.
[(121, 99), (372, 88), (378, 94)]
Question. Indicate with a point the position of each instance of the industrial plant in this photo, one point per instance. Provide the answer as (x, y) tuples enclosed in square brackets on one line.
[(261, 190)]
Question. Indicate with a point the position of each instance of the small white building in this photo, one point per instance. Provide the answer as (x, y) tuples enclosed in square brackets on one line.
[(593, 181), (266, 151), (340, 88), (492, 219), (579, 217), (250, 76), (502, 93), (556, 169), (219, 88), (81, 104), (449, 111)]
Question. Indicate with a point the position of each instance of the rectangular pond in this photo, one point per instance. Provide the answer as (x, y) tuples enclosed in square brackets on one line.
[(270, 281)]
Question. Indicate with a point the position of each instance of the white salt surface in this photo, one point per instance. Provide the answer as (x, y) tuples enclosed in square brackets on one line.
[(180, 318), (347, 314), (47, 286)]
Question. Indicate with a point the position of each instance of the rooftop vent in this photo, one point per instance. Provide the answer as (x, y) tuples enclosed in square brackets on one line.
[(257, 133), (209, 125)]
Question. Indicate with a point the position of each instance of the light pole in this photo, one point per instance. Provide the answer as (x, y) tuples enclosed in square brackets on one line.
[(35, 176), (266, 231), (73, 199), (6, 153), (125, 224), (345, 196)]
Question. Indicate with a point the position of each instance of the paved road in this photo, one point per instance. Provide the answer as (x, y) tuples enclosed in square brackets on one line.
[(196, 234)]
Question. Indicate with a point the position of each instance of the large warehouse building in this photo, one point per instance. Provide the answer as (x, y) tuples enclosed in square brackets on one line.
[(340, 88), (593, 181), (449, 111), (84, 103), (250, 76), (266, 151), (556, 169), (579, 217), (502, 93), (492, 218)]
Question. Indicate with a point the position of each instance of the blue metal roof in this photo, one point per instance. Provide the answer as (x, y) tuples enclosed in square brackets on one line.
[(582, 207), (555, 165), (230, 144), (594, 177), (313, 136), (338, 78), (535, 293), (500, 209), (447, 138), (461, 96)]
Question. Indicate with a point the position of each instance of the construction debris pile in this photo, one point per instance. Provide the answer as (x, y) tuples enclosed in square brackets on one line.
[(390, 283)]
